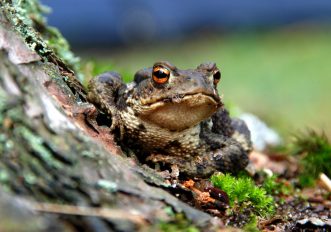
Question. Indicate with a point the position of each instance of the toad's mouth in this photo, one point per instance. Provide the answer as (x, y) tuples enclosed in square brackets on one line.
[(180, 113)]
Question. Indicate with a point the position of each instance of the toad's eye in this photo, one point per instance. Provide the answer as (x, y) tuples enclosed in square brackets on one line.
[(217, 77), (160, 74)]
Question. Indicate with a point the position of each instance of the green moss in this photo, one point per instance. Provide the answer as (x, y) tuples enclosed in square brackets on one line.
[(178, 224), (315, 156), (243, 192), (251, 226), (61, 47), (275, 186)]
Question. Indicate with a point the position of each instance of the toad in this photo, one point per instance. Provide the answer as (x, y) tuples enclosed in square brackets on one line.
[(174, 119)]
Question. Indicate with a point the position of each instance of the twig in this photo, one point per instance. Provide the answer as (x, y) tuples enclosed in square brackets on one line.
[(88, 211), (325, 181)]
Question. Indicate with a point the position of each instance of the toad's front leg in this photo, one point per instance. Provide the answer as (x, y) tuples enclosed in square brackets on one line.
[(104, 92), (226, 153)]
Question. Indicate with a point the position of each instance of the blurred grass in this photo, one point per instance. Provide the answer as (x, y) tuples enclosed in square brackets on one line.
[(283, 76)]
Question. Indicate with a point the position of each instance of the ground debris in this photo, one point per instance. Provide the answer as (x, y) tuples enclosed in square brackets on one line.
[(297, 214)]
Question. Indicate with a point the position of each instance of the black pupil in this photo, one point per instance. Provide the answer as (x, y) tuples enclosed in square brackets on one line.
[(217, 76), (160, 74)]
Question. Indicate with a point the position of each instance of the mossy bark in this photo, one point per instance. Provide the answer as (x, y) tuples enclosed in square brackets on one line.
[(49, 154)]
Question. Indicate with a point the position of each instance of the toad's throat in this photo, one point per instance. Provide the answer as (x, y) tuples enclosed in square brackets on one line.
[(181, 113)]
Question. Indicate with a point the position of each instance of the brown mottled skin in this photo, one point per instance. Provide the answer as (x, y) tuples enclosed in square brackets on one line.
[(179, 123)]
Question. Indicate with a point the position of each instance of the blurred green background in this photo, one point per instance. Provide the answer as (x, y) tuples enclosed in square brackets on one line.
[(281, 75)]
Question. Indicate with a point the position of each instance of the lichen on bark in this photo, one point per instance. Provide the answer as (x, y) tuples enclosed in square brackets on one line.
[(28, 18)]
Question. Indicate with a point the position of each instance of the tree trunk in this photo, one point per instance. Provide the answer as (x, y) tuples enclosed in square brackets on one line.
[(57, 173)]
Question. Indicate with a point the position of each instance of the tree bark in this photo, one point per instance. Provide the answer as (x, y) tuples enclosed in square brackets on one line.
[(58, 173)]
